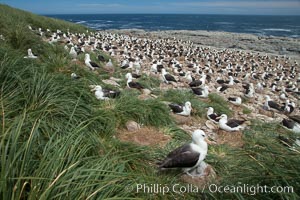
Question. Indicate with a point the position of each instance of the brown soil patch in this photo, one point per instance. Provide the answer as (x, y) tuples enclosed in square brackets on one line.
[(190, 121), (233, 139), (146, 136), (210, 176)]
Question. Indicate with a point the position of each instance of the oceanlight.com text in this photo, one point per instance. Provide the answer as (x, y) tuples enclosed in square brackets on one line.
[(213, 188)]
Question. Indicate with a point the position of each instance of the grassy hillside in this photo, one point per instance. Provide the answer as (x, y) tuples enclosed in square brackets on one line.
[(58, 142)]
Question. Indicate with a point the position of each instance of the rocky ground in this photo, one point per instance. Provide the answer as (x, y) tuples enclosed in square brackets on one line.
[(266, 44)]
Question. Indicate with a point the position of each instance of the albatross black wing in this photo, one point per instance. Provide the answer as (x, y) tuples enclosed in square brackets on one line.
[(195, 83), (274, 105), (231, 99), (176, 108), (170, 78), (111, 93), (214, 117), (181, 157), (223, 88), (95, 65), (288, 123), (135, 85), (197, 91), (234, 122), (101, 58)]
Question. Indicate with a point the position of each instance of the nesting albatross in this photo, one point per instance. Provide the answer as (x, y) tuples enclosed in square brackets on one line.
[(132, 84), (189, 156), (30, 54), (167, 77), (104, 94), (270, 104), (184, 110), (291, 124), (230, 125), (235, 100), (212, 116), (89, 63)]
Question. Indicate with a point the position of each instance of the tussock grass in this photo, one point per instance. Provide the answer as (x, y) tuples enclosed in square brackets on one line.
[(55, 58), (9, 17), (261, 161), (147, 112), (219, 104)]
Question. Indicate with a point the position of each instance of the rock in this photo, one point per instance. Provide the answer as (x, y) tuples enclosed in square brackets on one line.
[(146, 91), (132, 126)]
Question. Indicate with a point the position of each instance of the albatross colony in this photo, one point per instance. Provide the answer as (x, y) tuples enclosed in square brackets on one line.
[(266, 85)]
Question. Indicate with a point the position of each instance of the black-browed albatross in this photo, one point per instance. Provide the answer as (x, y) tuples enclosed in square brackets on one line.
[(184, 110), (189, 156)]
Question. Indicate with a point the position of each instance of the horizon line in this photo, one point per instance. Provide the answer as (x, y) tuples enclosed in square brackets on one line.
[(164, 14)]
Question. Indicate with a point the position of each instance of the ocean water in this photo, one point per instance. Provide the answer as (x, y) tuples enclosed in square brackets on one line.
[(287, 26)]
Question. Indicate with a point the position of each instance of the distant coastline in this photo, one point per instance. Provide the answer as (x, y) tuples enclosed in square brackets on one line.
[(280, 44), (260, 25), (265, 44)]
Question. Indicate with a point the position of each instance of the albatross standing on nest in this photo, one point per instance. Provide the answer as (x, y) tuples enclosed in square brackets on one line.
[(132, 84), (189, 156), (89, 63)]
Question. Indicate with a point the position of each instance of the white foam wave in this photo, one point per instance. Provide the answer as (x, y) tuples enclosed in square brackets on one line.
[(224, 23), (277, 29), (80, 22), (295, 36), (97, 20)]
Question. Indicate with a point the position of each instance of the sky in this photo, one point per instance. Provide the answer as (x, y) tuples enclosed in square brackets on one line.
[(237, 7)]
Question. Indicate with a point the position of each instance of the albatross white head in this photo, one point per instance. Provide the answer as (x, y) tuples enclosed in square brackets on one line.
[(163, 71), (231, 81), (128, 76), (99, 93), (187, 109), (198, 137), (87, 57), (223, 119), (210, 110)]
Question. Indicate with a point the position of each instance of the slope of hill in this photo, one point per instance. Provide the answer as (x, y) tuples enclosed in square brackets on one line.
[(59, 142)]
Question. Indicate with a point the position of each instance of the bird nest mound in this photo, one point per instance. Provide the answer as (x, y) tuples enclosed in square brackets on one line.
[(145, 136)]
